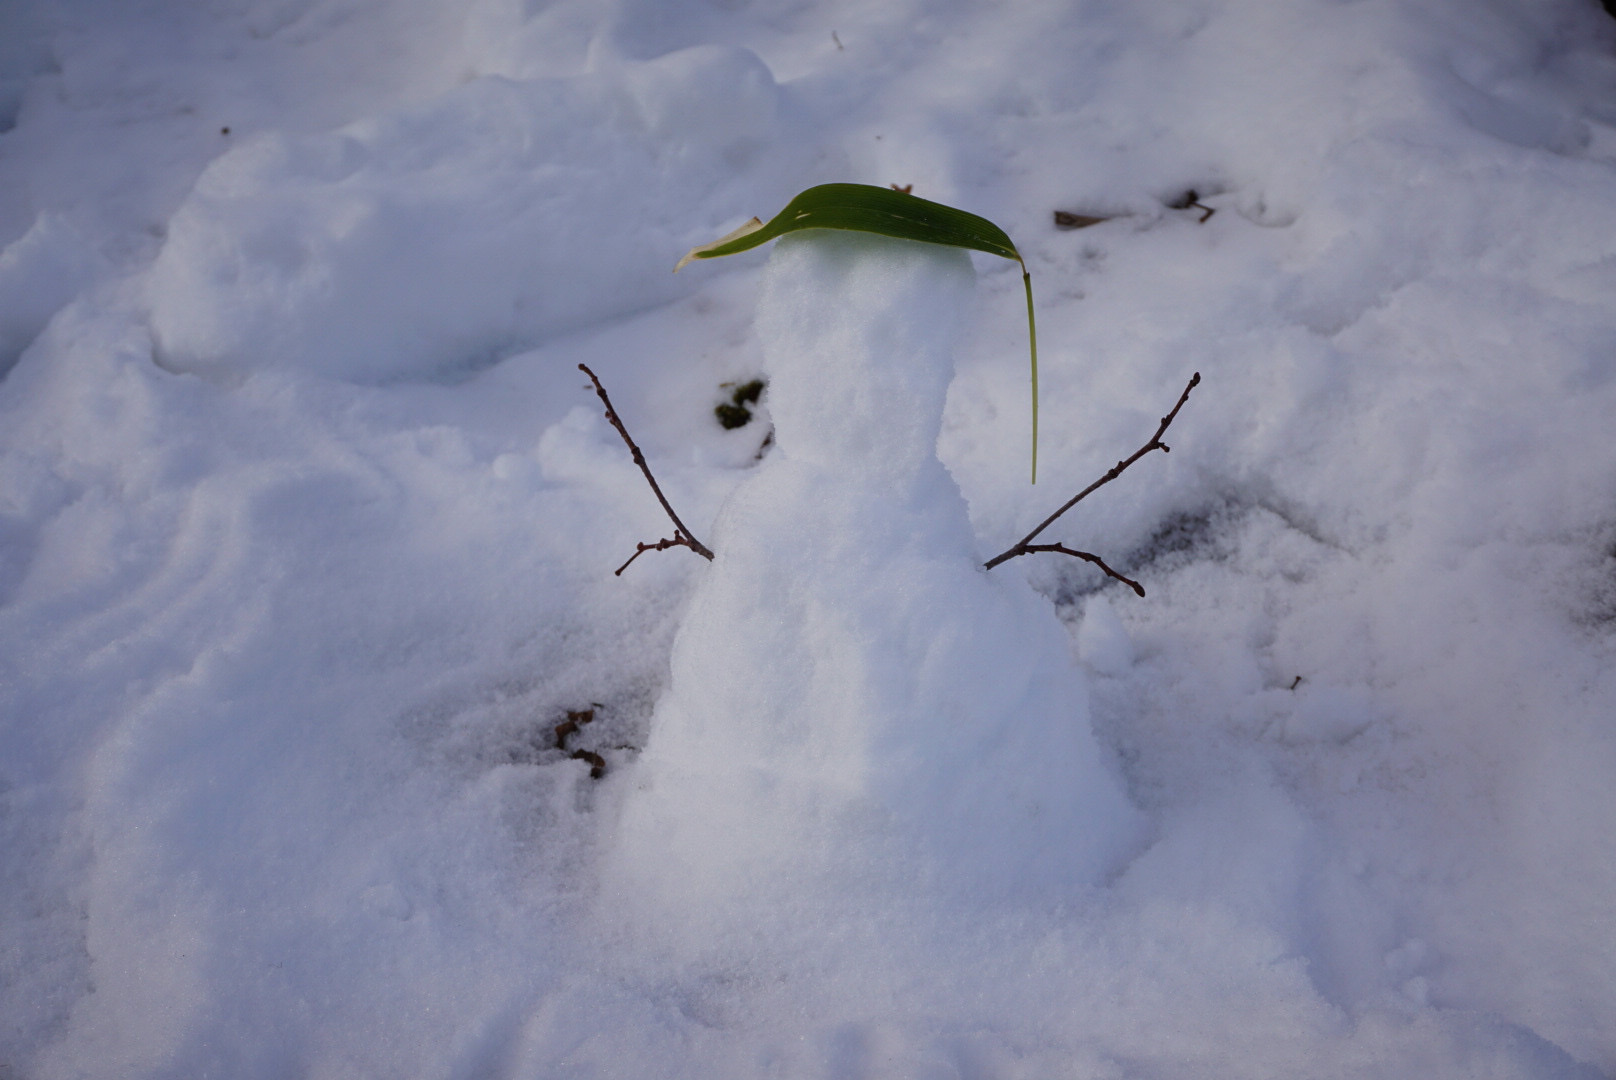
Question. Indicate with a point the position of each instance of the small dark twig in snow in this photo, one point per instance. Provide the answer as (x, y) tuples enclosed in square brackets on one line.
[(1025, 545), (1191, 200), (597, 764), (1066, 219), (682, 537), (576, 718), (569, 727)]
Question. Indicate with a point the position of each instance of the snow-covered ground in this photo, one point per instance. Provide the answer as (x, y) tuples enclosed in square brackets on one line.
[(308, 523)]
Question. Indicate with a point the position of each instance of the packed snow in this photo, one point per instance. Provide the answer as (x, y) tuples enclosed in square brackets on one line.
[(308, 524), (852, 701)]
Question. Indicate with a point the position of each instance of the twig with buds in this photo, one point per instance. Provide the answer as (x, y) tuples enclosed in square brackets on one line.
[(682, 537), (1025, 545)]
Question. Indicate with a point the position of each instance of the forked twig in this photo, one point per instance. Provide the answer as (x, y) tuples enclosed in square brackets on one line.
[(1025, 545), (682, 537), (661, 545), (1028, 549)]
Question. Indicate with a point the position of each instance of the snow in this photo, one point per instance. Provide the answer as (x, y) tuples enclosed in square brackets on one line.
[(307, 524), (447, 235)]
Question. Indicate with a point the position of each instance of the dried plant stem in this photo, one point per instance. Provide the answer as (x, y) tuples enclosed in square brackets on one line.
[(569, 727), (682, 537), (1025, 545)]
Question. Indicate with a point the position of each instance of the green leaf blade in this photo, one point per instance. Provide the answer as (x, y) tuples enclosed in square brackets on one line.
[(866, 208)]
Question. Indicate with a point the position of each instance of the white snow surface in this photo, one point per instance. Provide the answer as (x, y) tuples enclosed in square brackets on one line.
[(308, 523)]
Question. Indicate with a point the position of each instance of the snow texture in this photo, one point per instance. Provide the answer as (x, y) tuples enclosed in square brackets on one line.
[(308, 523)]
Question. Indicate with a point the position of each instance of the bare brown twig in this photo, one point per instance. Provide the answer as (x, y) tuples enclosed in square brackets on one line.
[(1191, 200), (661, 545), (1088, 556), (568, 728), (682, 537), (1025, 545)]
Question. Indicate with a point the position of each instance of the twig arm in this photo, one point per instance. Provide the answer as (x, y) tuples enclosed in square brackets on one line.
[(682, 537), (1025, 545)]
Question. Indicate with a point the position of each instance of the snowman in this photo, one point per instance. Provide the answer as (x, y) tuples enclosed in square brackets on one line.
[(857, 709)]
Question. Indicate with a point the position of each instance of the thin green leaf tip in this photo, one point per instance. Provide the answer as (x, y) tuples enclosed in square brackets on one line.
[(885, 212)]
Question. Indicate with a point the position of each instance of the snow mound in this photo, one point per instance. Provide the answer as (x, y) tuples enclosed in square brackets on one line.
[(437, 239), (40, 272)]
